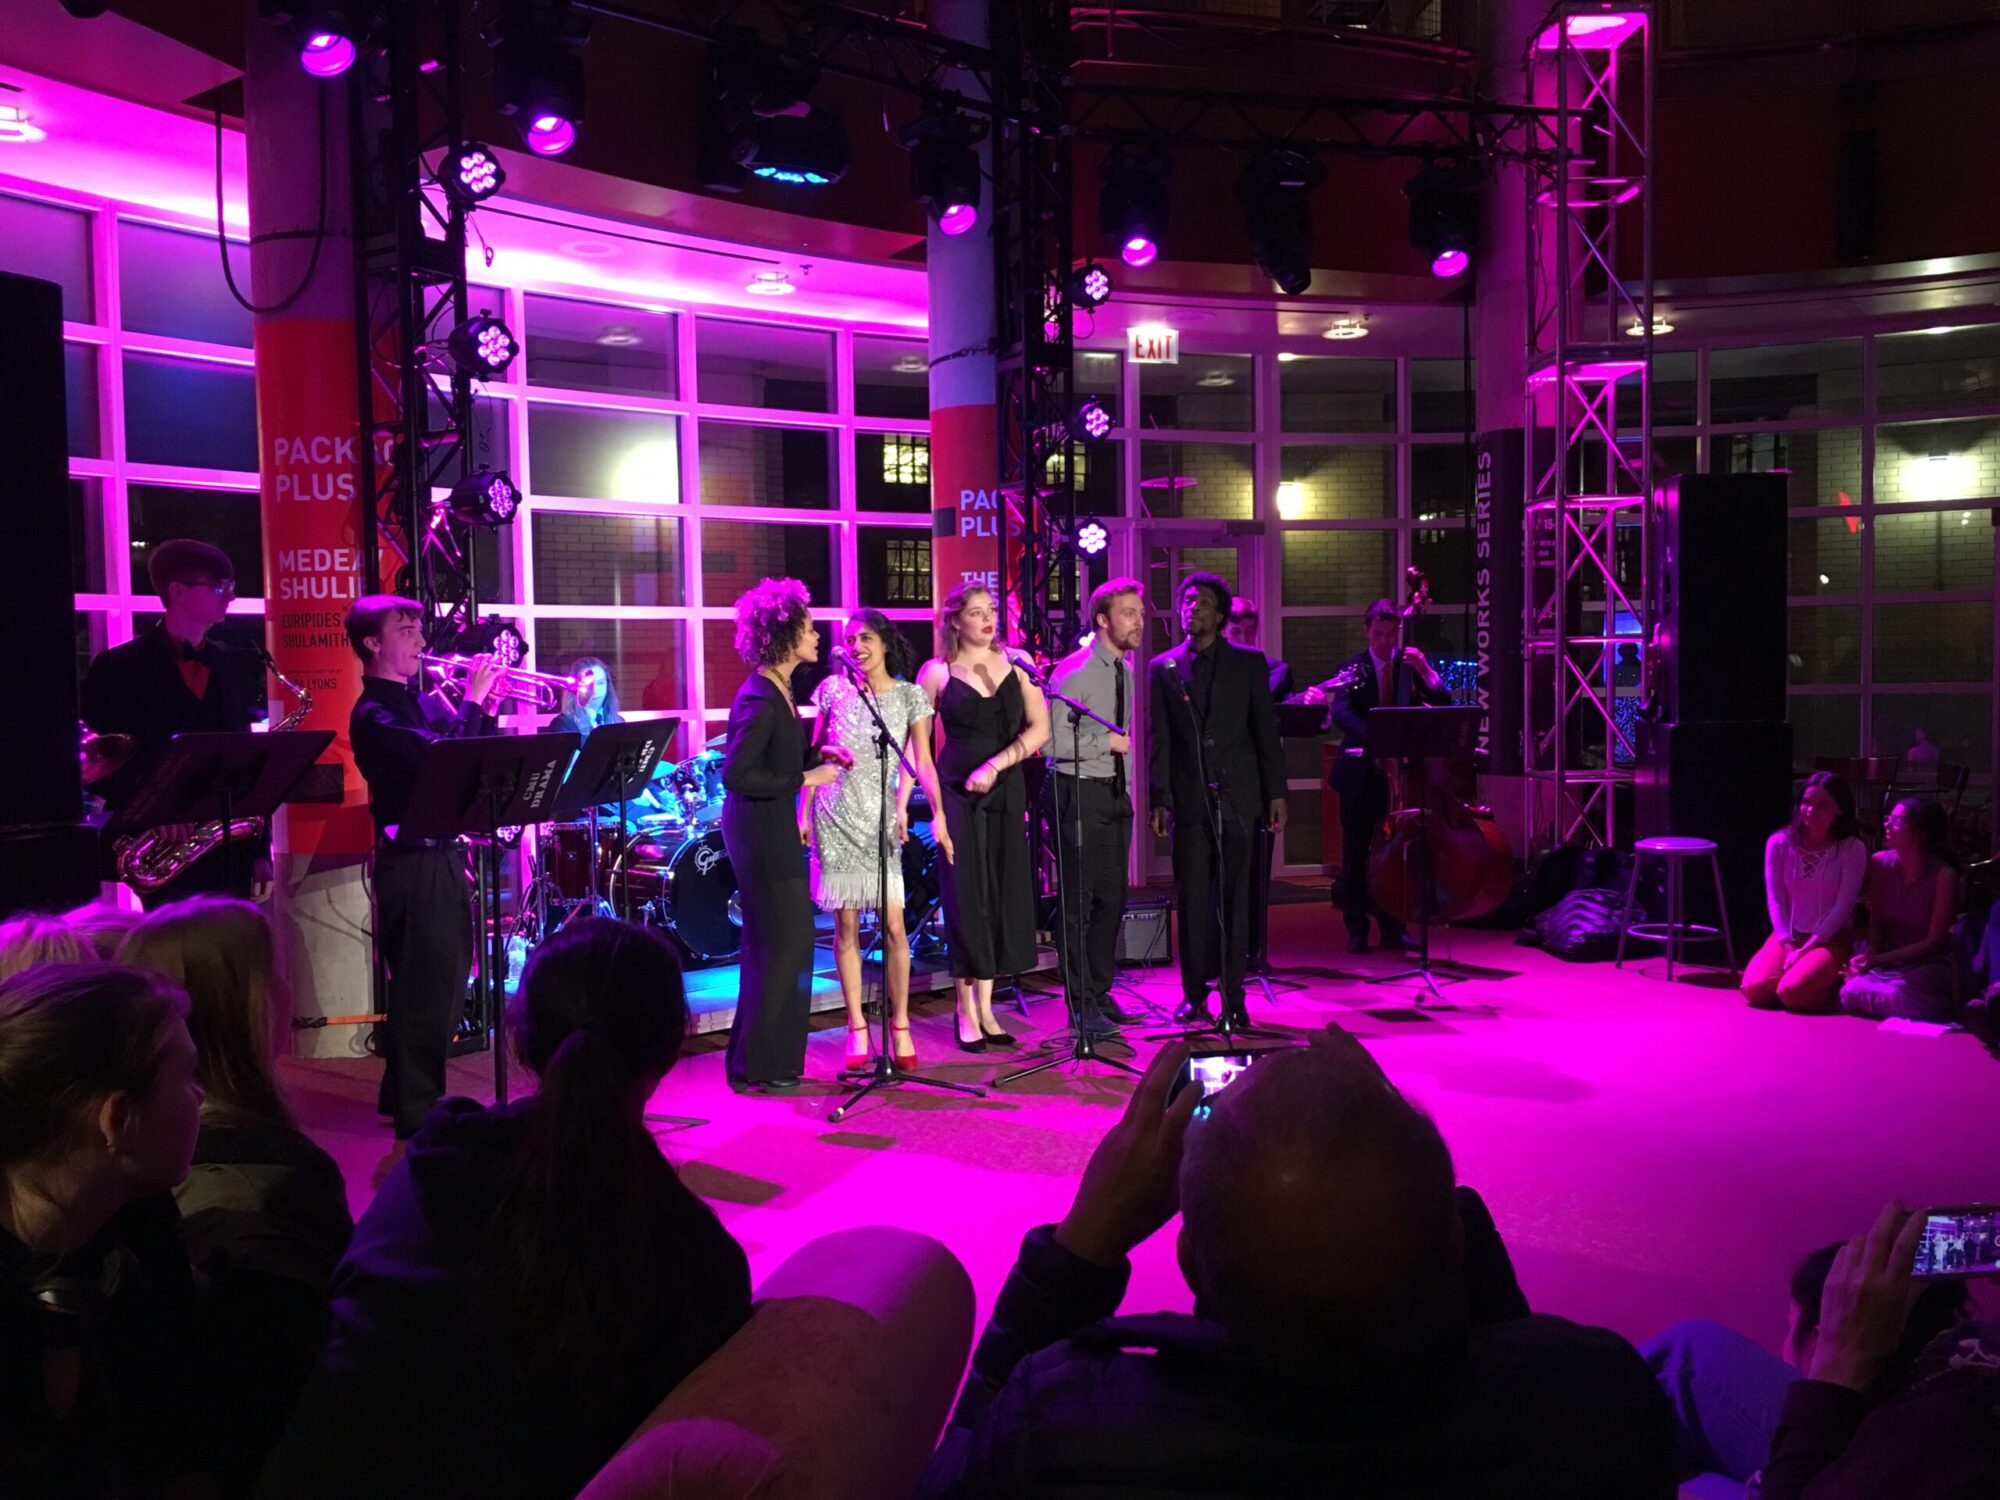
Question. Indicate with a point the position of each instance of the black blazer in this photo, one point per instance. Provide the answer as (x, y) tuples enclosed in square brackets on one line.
[(1351, 707), (137, 689), (1236, 732), (763, 771)]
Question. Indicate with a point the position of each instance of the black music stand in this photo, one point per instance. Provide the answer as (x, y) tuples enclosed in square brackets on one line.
[(210, 777), (616, 761), (476, 786), (1413, 734)]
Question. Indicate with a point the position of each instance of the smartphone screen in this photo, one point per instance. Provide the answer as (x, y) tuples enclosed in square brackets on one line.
[(1212, 1072), (1961, 1241)]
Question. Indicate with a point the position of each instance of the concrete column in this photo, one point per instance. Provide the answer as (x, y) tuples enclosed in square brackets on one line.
[(302, 255), (966, 510)]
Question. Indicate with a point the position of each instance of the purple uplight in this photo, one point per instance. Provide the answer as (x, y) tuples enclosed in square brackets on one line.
[(1091, 538), (1094, 418), (496, 346), (1450, 263), (326, 54), (550, 135), (1139, 252), (1096, 284), (958, 218)]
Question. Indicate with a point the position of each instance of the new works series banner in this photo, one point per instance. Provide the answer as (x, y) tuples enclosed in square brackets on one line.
[(1499, 482), (308, 440)]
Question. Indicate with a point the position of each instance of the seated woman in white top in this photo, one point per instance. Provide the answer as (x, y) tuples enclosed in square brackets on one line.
[(1813, 869)]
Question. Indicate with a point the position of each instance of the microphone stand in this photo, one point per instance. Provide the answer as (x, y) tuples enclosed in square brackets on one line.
[(885, 1074), (1212, 807), (1083, 1045)]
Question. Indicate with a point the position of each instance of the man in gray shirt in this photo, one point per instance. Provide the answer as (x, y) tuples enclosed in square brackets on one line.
[(1091, 777)]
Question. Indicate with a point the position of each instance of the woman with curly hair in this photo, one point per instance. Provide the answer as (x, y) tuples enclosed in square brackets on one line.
[(853, 824), (764, 768)]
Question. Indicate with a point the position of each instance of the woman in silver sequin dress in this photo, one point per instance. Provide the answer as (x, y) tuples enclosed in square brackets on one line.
[(850, 821)]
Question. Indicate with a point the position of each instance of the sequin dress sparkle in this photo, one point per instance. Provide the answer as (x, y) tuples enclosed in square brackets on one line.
[(850, 818)]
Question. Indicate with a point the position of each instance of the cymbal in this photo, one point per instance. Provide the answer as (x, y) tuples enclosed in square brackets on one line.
[(718, 742)]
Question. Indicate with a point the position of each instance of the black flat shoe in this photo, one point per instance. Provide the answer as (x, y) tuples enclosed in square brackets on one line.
[(1118, 1015), (1189, 1014)]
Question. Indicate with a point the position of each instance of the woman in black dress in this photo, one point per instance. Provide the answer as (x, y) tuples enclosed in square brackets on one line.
[(990, 718), (765, 766)]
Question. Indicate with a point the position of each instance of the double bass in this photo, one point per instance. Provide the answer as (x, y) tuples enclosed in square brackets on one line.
[(1468, 860)]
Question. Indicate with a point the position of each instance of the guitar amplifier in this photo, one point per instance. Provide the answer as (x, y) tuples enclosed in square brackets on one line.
[(1145, 932)]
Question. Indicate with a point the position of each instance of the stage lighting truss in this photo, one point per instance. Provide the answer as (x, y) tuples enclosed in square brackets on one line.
[(483, 347), (1277, 215), (328, 33), (537, 75), (1444, 212), (486, 498), (472, 173), (1133, 186), (1590, 503)]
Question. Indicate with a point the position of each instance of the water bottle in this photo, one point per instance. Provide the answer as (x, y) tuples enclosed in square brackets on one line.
[(517, 958)]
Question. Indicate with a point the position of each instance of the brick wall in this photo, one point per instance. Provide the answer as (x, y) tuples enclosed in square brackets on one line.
[(1223, 473), (1338, 483), (1335, 567)]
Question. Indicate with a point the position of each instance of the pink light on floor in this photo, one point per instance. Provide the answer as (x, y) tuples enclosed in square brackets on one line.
[(1450, 263), (1593, 31), (958, 218), (326, 54), (1139, 252)]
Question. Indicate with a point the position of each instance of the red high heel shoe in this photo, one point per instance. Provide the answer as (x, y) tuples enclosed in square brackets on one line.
[(858, 1061), (905, 1060)]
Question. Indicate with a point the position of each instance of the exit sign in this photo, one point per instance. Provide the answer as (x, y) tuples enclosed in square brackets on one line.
[(1153, 344)]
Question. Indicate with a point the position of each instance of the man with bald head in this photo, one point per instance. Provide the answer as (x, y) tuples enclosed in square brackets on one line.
[(1357, 1328)]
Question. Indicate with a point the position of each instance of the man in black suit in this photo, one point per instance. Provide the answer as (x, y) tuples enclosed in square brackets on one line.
[(1242, 630), (173, 679), (1363, 789), (1214, 765)]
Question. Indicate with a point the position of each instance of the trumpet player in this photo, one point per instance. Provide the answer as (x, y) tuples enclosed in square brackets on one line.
[(423, 903), (174, 679)]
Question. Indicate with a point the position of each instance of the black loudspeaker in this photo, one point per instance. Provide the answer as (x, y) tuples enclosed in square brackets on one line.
[(1720, 597), (1145, 932), (1728, 782), (44, 783)]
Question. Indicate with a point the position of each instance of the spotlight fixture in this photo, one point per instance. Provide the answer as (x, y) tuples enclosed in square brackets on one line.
[(1091, 537), (472, 173), (1089, 421), (619, 336), (1636, 329), (944, 169), (1346, 326), (1277, 216), (537, 75), (1089, 285), (482, 346), (770, 284), (1132, 202), (1286, 357), (485, 498), (762, 121), (501, 637), (1444, 213), (327, 32), (911, 364)]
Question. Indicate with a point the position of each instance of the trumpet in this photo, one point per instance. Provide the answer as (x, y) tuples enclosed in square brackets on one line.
[(544, 690)]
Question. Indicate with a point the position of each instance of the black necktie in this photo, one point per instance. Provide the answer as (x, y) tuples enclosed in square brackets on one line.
[(1118, 761)]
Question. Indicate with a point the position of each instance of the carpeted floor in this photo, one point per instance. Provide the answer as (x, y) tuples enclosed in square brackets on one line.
[(1651, 1152)]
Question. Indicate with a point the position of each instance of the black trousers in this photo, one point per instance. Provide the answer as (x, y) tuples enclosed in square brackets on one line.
[(1260, 898), (767, 1039), (1092, 881), (1207, 953), (1360, 811), (423, 930)]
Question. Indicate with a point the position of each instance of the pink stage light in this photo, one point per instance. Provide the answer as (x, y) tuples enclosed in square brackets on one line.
[(1139, 252), (326, 54), (958, 218), (1450, 263), (550, 135), (1598, 31)]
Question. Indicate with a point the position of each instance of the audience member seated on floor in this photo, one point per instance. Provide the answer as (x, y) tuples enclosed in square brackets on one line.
[(1855, 1428), (264, 1211), (1905, 967), (1728, 1390), (99, 1105), (532, 1279), (103, 925), (28, 941), (1813, 870), (1357, 1327)]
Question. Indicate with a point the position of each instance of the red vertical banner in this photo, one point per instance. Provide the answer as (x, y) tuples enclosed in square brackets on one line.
[(309, 446), (968, 512)]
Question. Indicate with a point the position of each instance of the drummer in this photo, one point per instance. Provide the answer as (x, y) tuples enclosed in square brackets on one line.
[(591, 700)]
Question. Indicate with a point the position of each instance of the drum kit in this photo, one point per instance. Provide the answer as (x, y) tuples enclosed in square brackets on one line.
[(670, 869)]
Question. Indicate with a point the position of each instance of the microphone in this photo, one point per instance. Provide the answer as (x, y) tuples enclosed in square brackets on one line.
[(847, 663), (1026, 663)]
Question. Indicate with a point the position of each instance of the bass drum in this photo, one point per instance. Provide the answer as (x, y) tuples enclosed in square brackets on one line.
[(699, 901)]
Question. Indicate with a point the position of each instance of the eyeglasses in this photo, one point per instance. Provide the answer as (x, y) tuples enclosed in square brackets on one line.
[(224, 590)]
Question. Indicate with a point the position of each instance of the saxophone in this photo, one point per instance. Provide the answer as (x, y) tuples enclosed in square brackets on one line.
[(146, 861)]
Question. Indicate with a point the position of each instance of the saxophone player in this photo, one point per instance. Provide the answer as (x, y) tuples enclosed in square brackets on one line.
[(170, 679)]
